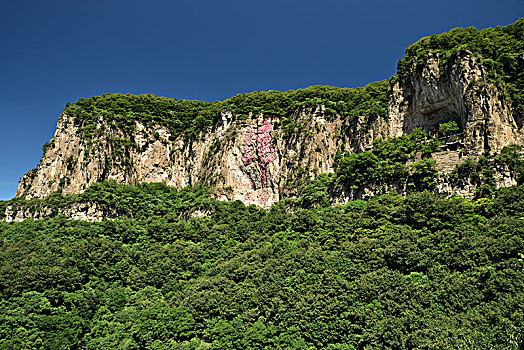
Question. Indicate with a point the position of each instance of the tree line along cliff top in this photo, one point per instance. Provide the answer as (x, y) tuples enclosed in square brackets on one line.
[(190, 117), (500, 50)]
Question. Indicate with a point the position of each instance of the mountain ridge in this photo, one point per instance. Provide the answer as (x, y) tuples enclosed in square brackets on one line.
[(262, 147)]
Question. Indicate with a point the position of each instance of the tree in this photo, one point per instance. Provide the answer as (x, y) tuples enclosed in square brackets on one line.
[(448, 129)]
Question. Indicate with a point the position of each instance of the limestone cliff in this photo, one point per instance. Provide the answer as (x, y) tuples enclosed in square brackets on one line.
[(252, 160), (456, 91), (259, 160)]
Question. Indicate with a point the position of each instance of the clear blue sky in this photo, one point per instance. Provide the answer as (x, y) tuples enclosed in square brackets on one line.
[(53, 52)]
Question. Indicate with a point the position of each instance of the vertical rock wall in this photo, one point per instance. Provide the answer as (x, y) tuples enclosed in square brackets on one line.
[(253, 160), (456, 91), (259, 161)]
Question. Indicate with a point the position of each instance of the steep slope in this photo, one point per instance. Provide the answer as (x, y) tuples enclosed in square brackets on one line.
[(257, 159), (265, 146)]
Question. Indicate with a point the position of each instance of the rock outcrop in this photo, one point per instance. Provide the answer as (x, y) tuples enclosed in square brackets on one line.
[(252, 160), (456, 91), (77, 211), (257, 161)]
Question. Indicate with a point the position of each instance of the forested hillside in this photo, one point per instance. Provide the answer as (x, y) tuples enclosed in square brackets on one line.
[(393, 272), (307, 266)]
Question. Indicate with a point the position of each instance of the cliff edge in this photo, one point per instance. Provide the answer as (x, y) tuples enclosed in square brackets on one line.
[(264, 146)]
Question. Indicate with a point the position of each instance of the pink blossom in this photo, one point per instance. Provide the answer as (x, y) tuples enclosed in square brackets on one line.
[(257, 148)]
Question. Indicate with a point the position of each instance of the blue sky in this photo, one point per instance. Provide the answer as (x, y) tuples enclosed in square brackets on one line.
[(54, 52)]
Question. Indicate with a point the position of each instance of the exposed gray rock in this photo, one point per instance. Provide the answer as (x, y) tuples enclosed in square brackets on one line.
[(258, 162)]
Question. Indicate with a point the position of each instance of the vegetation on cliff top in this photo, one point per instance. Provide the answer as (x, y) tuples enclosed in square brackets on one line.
[(500, 49), (183, 117)]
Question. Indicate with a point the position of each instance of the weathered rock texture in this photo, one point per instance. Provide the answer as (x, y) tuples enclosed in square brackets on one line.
[(253, 160), (456, 91), (257, 161), (77, 211)]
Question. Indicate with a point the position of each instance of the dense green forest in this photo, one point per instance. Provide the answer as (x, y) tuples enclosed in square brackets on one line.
[(392, 272)]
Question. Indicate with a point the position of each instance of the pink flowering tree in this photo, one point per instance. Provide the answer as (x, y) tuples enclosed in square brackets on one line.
[(258, 150)]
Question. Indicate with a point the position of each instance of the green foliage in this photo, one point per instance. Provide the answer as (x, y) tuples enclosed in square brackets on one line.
[(466, 169), (392, 272), (480, 172), (500, 50), (386, 163), (358, 168), (46, 146), (3, 205), (188, 118), (139, 202), (513, 158), (178, 269), (424, 174), (316, 192), (448, 129)]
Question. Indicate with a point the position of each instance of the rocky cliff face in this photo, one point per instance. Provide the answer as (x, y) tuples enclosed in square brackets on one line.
[(456, 91), (253, 160), (258, 161)]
